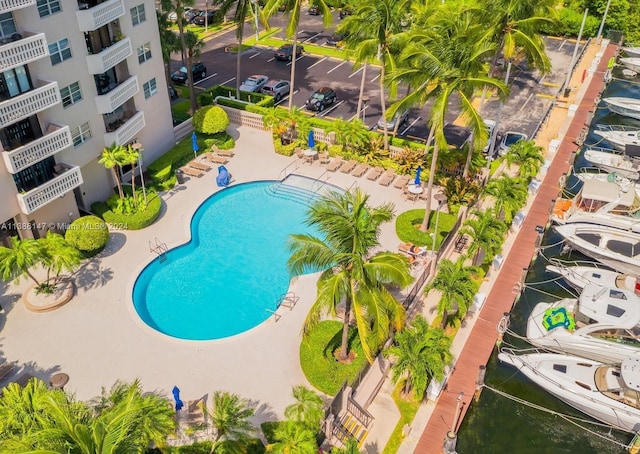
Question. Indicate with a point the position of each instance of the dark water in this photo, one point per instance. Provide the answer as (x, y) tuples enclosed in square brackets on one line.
[(497, 424)]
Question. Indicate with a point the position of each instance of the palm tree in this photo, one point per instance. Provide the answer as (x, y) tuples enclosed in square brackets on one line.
[(18, 260), (308, 408), (487, 234), (58, 255), (350, 447), (292, 9), (169, 42), (293, 438), (420, 353), (131, 156), (445, 62), (193, 49), (527, 155), (351, 133), (455, 283), (351, 273), (230, 415), (509, 195)]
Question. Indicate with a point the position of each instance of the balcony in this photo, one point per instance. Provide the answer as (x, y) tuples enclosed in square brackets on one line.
[(12, 5), (127, 131), (109, 57), (70, 178), (21, 51), (109, 102), (93, 18), (57, 139), (20, 107)]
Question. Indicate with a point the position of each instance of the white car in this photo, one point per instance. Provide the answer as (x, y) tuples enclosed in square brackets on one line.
[(254, 83), (491, 126), (510, 138)]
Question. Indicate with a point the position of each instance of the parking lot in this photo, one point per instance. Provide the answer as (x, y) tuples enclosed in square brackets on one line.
[(530, 95)]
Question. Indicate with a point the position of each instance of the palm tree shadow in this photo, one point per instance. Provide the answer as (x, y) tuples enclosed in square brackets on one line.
[(21, 373), (115, 243), (336, 341), (371, 448), (92, 275), (262, 412)]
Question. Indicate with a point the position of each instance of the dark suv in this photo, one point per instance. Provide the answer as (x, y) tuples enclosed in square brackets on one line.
[(209, 18), (321, 99), (285, 52), (199, 71)]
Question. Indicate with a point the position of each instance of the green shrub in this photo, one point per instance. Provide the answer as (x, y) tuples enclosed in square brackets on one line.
[(568, 24), (222, 140), (286, 150), (135, 221), (88, 234), (210, 120), (205, 99), (164, 167), (407, 224)]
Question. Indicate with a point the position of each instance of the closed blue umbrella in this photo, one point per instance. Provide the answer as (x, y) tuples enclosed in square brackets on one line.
[(194, 144), (311, 141), (176, 396), (417, 180)]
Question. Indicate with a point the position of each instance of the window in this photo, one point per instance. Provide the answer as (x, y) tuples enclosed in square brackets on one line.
[(81, 134), (59, 51), (48, 7), (71, 94), (137, 14), (144, 53), (7, 25), (150, 88)]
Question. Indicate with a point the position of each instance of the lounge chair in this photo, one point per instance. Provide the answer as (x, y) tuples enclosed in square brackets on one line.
[(215, 158), (191, 171), (195, 412), (360, 170), (324, 158), (375, 173), (226, 153), (401, 182), (335, 164), (299, 153), (6, 369), (387, 178), (423, 195), (412, 250), (348, 166), (199, 166)]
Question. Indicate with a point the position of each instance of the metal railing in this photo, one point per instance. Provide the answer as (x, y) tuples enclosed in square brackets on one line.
[(359, 413)]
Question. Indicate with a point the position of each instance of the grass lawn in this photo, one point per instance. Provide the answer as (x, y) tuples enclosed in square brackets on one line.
[(320, 367), (408, 410), (408, 223), (326, 51)]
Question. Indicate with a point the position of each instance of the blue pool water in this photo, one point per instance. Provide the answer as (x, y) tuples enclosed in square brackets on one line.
[(233, 270)]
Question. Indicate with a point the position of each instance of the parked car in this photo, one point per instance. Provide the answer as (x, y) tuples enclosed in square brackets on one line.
[(277, 88), (199, 71), (491, 126), (314, 10), (336, 39), (391, 124), (173, 16), (344, 12), (508, 140), (285, 52), (254, 83), (206, 17), (321, 99), (191, 14)]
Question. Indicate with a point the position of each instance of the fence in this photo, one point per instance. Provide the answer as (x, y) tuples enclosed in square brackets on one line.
[(182, 130)]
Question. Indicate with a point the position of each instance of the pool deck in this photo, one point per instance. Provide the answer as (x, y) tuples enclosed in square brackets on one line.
[(97, 338)]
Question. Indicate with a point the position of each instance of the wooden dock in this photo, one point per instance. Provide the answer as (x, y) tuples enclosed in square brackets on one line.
[(483, 336)]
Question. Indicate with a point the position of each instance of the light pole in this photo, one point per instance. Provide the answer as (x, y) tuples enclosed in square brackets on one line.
[(604, 18), (451, 439), (441, 198), (255, 15), (138, 147)]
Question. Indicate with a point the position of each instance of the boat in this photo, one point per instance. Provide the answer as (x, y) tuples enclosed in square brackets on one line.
[(632, 63), (607, 392), (601, 202), (616, 248), (579, 276), (629, 107), (619, 135), (632, 51), (613, 162), (603, 324)]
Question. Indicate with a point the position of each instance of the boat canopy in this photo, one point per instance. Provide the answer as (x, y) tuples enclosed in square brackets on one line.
[(614, 306), (606, 191), (630, 369)]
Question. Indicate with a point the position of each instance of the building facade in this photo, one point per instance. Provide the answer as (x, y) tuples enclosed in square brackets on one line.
[(75, 77)]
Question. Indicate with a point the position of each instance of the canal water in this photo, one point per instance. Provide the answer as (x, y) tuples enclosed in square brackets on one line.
[(499, 424)]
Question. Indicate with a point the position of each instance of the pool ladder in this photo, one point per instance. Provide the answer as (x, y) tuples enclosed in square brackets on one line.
[(159, 248)]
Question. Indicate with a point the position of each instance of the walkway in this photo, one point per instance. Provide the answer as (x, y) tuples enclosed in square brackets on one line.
[(482, 336)]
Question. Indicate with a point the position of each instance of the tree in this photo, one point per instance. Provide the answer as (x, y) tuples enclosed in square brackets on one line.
[(113, 157), (486, 232), (131, 156), (230, 415), (169, 42), (292, 10), (527, 155), (210, 120), (351, 272), (293, 438), (509, 195), (455, 283), (350, 447), (308, 408), (420, 353), (18, 260), (350, 133), (58, 255), (193, 49)]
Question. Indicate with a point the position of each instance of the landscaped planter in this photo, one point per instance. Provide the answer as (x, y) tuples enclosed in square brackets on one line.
[(45, 302)]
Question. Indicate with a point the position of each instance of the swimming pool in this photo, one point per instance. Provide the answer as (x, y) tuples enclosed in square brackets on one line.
[(233, 270)]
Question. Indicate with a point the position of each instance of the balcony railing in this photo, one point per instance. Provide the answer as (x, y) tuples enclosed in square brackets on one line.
[(125, 133), (101, 14), (22, 51), (109, 102), (109, 57), (12, 5), (51, 143), (15, 109), (38, 197)]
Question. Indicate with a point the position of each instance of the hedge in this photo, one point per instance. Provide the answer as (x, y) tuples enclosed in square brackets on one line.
[(256, 99), (210, 120), (88, 234), (135, 221)]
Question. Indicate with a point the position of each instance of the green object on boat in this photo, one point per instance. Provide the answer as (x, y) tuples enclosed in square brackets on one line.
[(556, 317)]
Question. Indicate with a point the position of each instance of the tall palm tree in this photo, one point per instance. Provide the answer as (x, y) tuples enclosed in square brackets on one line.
[(528, 156), (351, 272), (509, 195), (293, 438), (58, 255), (230, 416), (446, 62), (419, 353), (113, 157), (131, 156), (307, 409), (193, 49), (486, 232), (18, 260), (455, 283), (169, 42), (292, 10)]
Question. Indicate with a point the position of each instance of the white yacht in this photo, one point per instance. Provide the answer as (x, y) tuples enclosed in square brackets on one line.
[(607, 392), (632, 63), (601, 202), (632, 51), (602, 325), (629, 107), (579, 276), (616, 248), (619, 136), (613, 162)]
